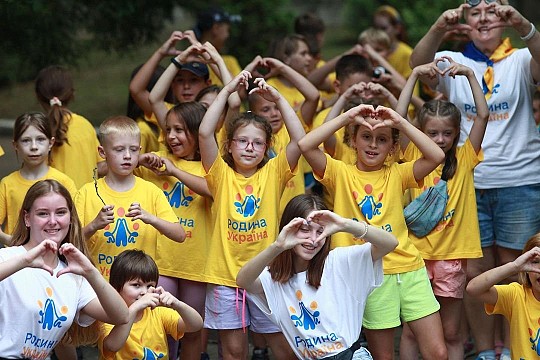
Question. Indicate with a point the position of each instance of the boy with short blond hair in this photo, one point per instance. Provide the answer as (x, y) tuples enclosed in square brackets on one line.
[(132, 213)]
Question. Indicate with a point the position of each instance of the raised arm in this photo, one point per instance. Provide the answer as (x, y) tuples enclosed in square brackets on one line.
[(190, 320), (382, 242), (248, 276), (319, 76), (425, 49), (510, 17), (476, 135), (306, 88), (137, 86), (483, 286), (207, 141)]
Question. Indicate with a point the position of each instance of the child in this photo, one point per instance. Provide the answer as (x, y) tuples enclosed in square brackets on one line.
[(371, 190), (299, 267), (518, 302), (377, 39), (457, 236), (153, 312), (131, 212), (182, 157), (74, 151), (33, 141), (269, 110), (246, 186), (46, 281)]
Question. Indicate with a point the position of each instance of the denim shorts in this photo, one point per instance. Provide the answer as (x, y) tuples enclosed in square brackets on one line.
[(508, 217), (231, 308)]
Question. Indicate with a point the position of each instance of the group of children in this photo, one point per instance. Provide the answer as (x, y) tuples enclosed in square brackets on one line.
[(217, 219)]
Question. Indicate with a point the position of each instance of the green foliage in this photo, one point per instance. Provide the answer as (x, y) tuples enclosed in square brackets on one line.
[(262, 22), (418, 15), (37, 33)]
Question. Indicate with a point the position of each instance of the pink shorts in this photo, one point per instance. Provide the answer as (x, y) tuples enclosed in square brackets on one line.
[(231, 308), (448, 277)]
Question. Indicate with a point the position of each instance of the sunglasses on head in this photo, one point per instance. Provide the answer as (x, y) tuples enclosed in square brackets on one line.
[(474, 3)]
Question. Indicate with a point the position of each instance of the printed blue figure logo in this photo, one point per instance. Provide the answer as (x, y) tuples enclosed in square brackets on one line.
[(368, 205), (179, 195), (534, 341), (307, 319), (121, 235), (149, 354), (50, 317), (249, 204)]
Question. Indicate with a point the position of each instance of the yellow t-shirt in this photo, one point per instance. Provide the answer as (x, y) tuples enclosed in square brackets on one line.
[(457, 235), (399, 59), (153, 119), (13, 189), (295, 186), (193, 213), (78, 158), (519, 306), (377, 198), (123, 233), (293, 96), (149, 138), (231, 63), (245, 215), (147, 338)]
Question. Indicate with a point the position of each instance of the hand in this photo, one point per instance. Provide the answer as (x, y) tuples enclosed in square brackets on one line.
[(165, 169), (287, 238), (373, 90), (449, 21), (150, 299), (265, 90), (104, 217), (195, 52), (328, 220), (136, 212), (529, 261), (34, 257), (150, 161), (355, 91), (210, 54), (165, 298), (239, 81), (77, 262), (387, 117), (275, 67), (454, 68), (169, 47), (508, 16), (255, 65), (361, 114)]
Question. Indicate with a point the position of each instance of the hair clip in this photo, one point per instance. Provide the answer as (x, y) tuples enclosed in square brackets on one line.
[(95, 177)]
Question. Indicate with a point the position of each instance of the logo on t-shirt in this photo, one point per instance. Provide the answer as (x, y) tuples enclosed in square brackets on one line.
[(534, 341), (247, 204), (368, 205), (121, 235), (50, 316), (308, 318), (150, 354), (180, 194)]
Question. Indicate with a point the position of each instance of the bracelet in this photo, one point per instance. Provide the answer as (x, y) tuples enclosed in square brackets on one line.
[(176, 63), (530, 34), (364, 233)]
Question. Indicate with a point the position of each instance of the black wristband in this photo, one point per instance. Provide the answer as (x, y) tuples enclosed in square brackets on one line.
[(176, 63)]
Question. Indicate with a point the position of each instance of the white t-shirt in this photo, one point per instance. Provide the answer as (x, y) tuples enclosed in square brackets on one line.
[(325, 321), (511, 144), (36, 309)]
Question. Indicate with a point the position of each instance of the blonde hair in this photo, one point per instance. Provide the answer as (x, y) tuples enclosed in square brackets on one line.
[(373, 36), (119, 125), (533, 242)]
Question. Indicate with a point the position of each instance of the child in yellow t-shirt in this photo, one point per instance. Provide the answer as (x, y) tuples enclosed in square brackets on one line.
[(456, 237), (33, 141), (371, 190), (131, 212), (154, 313)]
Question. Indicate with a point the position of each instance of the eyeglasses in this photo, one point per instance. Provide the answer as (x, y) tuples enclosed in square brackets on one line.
[(474, 3), (243, 143)]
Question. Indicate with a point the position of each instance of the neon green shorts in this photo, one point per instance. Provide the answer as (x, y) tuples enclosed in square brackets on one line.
[(406, 296)]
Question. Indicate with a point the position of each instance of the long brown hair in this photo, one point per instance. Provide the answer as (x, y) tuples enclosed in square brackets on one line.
[(191, 114), (282, 267), (55, 82)]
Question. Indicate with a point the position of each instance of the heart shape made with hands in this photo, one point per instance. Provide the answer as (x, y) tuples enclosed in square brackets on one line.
[(265, 69)]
